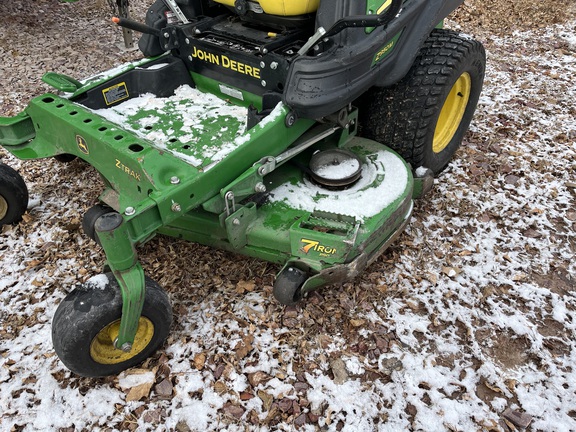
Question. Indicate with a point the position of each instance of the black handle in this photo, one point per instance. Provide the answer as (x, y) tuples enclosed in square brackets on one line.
[(136, 26)]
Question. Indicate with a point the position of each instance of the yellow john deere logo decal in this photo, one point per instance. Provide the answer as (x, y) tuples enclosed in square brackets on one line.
[(82, 145), (315, 246), (226, 62)]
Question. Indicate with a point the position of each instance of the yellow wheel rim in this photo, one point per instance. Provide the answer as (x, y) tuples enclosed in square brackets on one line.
[(452, 112), (102, 348), (3, 207)]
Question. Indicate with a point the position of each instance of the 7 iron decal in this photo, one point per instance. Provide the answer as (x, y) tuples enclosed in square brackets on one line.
[(314, 245)]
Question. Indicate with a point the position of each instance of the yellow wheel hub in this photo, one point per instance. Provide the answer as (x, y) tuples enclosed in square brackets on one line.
[(452, 112), (3, 207), (102, 348)]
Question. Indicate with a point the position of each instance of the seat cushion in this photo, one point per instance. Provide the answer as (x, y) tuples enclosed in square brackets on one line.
[(282, 7)]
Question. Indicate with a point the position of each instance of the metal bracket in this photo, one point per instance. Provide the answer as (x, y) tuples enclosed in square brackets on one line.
[(230, 203)]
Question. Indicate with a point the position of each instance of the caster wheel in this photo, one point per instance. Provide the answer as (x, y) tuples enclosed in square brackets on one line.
[(90, 218), (87, 322), (288, 286), (13, 195)]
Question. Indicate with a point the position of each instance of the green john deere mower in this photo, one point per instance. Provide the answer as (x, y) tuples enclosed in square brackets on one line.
[(294, 131)]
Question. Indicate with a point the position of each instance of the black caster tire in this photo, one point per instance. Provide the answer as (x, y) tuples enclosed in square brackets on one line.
[(13, 195), (91, 216), (288, 286), (87, 322), (424, 116)]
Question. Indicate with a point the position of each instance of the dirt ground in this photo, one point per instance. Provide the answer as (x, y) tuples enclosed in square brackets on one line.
[(337, 328)]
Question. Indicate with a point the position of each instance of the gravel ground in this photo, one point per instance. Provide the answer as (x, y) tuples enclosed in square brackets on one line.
[(472, 312)]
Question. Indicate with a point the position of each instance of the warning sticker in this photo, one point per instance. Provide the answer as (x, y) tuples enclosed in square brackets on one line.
[(115, 93)]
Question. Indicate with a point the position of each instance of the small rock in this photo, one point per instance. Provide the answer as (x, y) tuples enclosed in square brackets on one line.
[(285, 404), (511, 179), (300, 420), (164, 388), (153, 416), (301, 387), (233, 410), (517, 418), (389, 365), (182, 426), (339, 371)]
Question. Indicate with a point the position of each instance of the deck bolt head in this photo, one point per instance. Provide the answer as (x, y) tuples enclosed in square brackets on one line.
[(236, 221), (187, 41), (174, 180), (176, 208), (260, 187), (262, 64), (263, 83), (273, 65), (166, 35), (129, 211)]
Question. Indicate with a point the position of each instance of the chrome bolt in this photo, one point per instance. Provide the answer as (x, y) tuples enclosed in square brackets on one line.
[(126, 347), (273, 65), (174, 180), (190, 57), (260, 187), (262, 64), (176, 208), (263, 83), (166, 35), (129, 211), (187, 41), (236, 221)]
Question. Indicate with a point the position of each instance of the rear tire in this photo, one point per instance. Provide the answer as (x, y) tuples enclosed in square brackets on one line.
[(13, 195), (425, 115)]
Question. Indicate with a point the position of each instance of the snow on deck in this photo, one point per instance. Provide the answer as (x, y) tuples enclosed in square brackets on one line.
[(196, 127)]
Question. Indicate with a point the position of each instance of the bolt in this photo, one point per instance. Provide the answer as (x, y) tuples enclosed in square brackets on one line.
[(273, 65), (174, 180), (187, 41), (126, 347), (263, 83), (260, 187), (176, 208), (190, 57), (262, 64), (236, 221), (165, 46), (129, 211), (166, 35)]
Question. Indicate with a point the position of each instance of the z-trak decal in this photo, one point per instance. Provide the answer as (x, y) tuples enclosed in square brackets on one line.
[(128, 170), (226, 62), (314, 245)]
